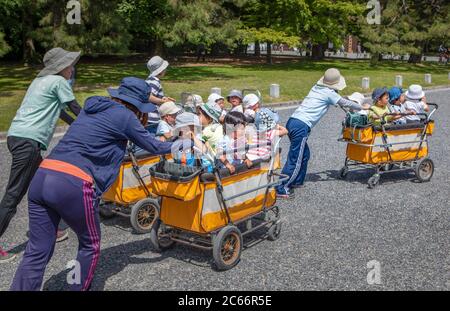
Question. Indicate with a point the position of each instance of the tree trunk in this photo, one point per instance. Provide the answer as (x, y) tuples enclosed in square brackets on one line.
[(375, 59), (269, 53), (30, 57), (415, 58), (257, 49), (158, 48), (318, 52)]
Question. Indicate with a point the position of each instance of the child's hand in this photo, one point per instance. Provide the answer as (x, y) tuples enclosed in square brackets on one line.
[(248, 163), (231, 168), (168, 99)]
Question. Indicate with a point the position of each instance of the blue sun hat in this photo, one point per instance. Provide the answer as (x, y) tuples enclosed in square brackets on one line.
[(394, 94), (136, 92), (379, 92)]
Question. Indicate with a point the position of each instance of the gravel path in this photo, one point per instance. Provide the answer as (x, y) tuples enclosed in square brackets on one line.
[(331, 230)]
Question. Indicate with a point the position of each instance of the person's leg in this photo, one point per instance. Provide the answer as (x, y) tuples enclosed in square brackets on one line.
[(43, 223), (298, 136), (78, 207), (300, 180), (26, 158)]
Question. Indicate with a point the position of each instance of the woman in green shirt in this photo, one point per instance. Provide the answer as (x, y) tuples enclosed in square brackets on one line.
[(32, 130)]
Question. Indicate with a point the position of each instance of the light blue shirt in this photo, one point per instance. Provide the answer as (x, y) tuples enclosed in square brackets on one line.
[(316, 105), (163, 128), (38, 115)]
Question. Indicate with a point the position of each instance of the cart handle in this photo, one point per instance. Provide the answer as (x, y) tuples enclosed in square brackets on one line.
[(435, 107), (384, 121)]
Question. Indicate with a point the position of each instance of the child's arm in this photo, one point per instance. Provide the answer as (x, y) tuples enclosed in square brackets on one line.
[(227, 164), (167, 135), (159, 101), (425, 106)]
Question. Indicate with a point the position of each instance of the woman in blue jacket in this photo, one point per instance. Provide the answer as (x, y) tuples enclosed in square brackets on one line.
[(80, 168)]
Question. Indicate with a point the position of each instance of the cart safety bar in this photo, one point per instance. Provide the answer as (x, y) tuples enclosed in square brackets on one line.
[(269, 185), (382, 145), (384, 121)]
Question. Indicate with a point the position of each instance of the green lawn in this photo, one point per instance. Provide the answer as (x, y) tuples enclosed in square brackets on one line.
[(295, 79)]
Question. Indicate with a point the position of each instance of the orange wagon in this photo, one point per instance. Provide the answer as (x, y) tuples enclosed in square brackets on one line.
[(390, 148)]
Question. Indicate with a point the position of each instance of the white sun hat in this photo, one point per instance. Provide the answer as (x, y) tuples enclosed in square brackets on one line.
[(250, 100), (357, 97), (333, 79), (415, 92), (156, 65), (214, 97)]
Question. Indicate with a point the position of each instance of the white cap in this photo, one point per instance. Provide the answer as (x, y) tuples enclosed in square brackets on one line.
[(168, 108), (415, 92), (197, 100), (213, 98), (357, 97), (250, 100)]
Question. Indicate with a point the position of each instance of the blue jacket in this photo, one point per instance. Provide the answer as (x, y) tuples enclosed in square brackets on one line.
[(96, 142)]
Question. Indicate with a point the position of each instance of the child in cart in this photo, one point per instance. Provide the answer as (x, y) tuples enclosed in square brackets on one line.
[(380, 108), (235, 99), (212, 133), (397, 100), (231, 148), (267, 130), (168, 112), (360, 99), (416, 102), (220, 101), (189, 129)]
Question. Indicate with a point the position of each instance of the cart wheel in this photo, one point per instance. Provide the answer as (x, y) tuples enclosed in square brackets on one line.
[(143, 215), (274, 231), (159, 243), (274, 214), (343, 172), (374, 181), (227, 247), (424, 170), (105, 211)]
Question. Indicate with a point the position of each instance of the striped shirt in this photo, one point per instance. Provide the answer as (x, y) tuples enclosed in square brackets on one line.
[(155, 84)]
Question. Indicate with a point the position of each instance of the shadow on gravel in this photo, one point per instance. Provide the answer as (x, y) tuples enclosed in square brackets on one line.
[(112, 261), (362, 176), (115, 259)]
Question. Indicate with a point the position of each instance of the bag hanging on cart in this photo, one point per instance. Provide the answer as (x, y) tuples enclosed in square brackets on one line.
[(175, 180)]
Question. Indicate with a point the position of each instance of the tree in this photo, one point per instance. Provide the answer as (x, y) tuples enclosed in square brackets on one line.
[(4, 47), (273, 22), (101, 30), (331, 21), (177, 23), (407, 27), (318, 21)]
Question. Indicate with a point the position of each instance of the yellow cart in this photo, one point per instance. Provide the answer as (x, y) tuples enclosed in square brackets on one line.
[(213, 211), (129, 196), (390, 148)]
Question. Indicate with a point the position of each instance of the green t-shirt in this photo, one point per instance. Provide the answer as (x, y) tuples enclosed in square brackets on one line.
[(39, 113), (378, 112)]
